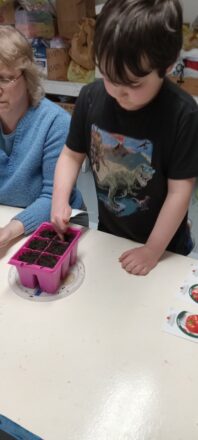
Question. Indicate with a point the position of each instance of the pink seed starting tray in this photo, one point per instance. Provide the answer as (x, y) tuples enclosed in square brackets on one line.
[(44, 259)]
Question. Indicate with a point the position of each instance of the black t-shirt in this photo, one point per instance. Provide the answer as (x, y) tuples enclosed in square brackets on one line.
[(134, 153)]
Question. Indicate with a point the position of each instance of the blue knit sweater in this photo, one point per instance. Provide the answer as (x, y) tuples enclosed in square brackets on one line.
[(27, 162)]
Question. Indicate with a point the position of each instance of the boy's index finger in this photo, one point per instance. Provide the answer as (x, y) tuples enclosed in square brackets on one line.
[(60, 229)]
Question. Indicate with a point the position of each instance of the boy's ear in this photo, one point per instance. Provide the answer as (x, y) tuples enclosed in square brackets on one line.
[(170, 68)]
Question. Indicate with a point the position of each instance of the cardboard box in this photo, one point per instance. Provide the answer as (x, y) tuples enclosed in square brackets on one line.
[(69, 14), (68, 106), (7, 13), (57, 63)]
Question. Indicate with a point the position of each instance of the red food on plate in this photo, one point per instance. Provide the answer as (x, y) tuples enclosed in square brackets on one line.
[(194, 294), (192, 323)]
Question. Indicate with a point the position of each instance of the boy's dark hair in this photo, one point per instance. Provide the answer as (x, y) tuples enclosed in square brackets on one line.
[(137, 36)]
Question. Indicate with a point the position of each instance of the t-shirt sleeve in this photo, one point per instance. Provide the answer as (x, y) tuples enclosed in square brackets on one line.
[(183, 162), (76, 139)]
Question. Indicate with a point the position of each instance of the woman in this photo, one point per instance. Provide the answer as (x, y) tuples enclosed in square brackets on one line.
[(32, 133)]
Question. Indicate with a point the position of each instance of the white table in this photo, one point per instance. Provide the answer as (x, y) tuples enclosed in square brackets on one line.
[(97, 365)]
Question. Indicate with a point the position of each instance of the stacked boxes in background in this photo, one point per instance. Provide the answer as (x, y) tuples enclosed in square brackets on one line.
[(61, 33)]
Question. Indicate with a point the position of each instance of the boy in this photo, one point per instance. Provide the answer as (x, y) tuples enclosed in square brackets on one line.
[(140, 132)]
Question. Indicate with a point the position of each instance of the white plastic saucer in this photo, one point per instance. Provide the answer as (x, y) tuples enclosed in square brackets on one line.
[(71, 283)]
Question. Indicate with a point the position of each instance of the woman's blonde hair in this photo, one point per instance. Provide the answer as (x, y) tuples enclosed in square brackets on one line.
[(16, 52)]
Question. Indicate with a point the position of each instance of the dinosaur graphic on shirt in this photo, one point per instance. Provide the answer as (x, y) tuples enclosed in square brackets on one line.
[(123, 183)]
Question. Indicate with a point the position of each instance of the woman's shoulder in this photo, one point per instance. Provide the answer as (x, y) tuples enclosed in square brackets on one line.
[(51, 109)]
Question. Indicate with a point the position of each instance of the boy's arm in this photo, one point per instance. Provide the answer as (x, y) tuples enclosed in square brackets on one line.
[(140, 261), (66, 173)]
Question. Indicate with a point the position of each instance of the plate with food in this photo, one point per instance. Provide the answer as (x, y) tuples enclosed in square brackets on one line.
[(193, 292), (188, 323)]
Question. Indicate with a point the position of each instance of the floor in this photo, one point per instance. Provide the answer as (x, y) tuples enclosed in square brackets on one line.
[(87, 187)]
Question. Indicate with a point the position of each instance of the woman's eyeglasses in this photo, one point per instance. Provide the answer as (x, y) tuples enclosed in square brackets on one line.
[(6, 82)]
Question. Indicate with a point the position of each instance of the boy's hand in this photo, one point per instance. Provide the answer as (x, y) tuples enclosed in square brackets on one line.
[(12, 230), (139, 261), (60, 217)]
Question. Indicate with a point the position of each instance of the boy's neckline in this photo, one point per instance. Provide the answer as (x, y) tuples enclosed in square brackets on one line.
[(143, 108)]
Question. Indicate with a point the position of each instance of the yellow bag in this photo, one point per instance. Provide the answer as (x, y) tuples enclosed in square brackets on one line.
[(77, 73), (82, 44)]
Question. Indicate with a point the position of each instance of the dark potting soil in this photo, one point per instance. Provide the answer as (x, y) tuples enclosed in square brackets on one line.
[(47, 261), (47, 233), (38, 244), (29, 257), (57, 248), (69, 236)]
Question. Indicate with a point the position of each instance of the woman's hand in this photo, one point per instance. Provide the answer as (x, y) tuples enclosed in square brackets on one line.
[(12, 230)]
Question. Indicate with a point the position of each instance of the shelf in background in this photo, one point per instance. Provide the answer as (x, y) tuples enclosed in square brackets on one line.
[(73, 89), (62, 87), (67, 88)]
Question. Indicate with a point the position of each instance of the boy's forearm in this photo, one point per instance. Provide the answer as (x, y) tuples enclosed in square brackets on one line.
[(66, 173), (170, 217)]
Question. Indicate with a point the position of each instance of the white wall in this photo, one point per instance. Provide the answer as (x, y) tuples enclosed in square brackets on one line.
[(190, 8)]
